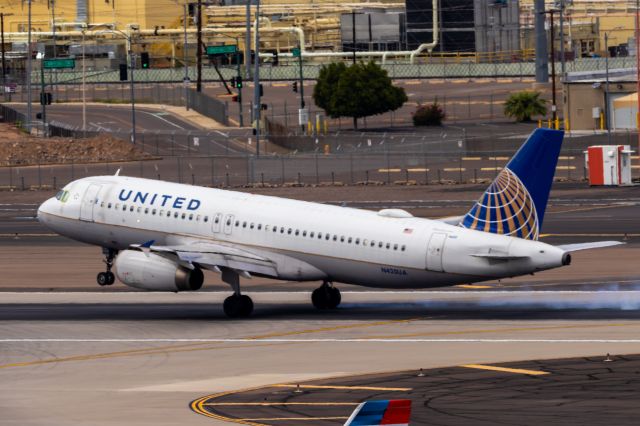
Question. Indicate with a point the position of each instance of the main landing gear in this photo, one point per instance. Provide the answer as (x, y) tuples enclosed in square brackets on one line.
[(326, 296), (237, 305), (107, 278)]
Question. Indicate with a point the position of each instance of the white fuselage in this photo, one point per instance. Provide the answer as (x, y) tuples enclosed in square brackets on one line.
[(307, 241)]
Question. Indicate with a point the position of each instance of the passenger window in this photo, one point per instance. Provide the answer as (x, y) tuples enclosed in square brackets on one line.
[(259, 226), (358, 241), (395, 247), (342, 238), (228, 222), (139, 210), (388, 246), (282, 230), (251, 226), (304, 233), (109, 205), (175, 214), (319, 235), (327, 236), (311, 235), (191, 216), (380, 244), (146, 211), (168, 213), (349, 240), (153, 212), (297, 232), (289, 231), (198, 218), (217, 220), (373, 243), (403, 248), (206, 218), (124, 207), (244, 224), (131, 208), (117, 207), (335, 238), (161, 213), (184, 215), (237, 223)]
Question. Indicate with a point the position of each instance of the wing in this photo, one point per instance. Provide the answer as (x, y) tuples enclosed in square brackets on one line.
[(214, 255), (587, 246)]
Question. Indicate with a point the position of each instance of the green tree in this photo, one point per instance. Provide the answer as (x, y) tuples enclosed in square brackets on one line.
[(357, 91), (523, 105)]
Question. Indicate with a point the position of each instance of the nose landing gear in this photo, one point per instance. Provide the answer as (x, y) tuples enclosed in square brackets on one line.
[(107, 277), (326, 296)]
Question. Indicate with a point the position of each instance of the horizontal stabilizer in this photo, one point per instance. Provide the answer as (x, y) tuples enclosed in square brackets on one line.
[(389, 412), (588, 246), (498, 256)]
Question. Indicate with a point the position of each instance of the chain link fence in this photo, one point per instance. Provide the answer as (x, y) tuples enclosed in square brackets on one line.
[(424, 67)]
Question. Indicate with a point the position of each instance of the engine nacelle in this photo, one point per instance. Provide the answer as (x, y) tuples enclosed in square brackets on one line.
[(150, 271)]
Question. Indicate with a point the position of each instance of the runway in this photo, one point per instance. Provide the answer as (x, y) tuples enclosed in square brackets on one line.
[(140, 358)]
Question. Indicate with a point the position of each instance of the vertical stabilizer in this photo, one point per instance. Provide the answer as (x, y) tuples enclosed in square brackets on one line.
[(515, 202), (373, 413)]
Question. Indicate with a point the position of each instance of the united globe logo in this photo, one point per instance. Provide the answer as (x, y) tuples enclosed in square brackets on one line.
[(505, 208)]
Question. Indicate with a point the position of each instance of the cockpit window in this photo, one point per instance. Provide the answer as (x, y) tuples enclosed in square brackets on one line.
[(62, 196)]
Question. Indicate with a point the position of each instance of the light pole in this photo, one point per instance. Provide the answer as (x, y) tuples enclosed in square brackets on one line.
[(606, 89), (132, 65), (29, 64), (256, 81)]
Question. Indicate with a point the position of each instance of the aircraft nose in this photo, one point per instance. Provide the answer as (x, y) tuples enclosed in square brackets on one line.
[(46, 208)]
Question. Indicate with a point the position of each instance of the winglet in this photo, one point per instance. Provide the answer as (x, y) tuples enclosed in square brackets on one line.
[(388, 412), (148, 244), (117, 172)]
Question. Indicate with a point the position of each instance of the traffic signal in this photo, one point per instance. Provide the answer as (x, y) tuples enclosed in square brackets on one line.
[(261, 90), (239, 82), (123, 72), (275, 58), (45, 98), (233, 82), (295, 86), (144, 59)]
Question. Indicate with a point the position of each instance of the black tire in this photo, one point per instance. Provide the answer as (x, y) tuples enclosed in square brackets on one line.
[(102, 279), (247, 305), (238, 306), (334, 298), (320, 298), (111, 278)]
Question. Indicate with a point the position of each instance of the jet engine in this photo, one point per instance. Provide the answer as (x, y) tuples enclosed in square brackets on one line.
[(151, 271)]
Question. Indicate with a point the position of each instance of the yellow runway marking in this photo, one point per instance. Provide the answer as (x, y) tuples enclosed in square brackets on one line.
[(270, 404), (418, 170), (471, 158), (506, 370), (473, 286), (565, 157), (454, 169), (373, 388), (491, 169), (586, 209), (389, 170), (565, 167), (495, 330), (267, 419), (498, 158), (279, 84)]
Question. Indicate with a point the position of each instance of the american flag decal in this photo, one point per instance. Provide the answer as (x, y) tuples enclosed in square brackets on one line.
[(408, 230)]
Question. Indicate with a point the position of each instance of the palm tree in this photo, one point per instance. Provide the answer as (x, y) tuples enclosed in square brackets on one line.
[(523, 105)]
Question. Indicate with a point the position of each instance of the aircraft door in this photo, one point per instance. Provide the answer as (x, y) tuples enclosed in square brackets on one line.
[(216, 223), (89, 201), (434, 251), (228, 224)]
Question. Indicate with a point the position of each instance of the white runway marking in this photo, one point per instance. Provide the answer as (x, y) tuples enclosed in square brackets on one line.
[(347, 340)]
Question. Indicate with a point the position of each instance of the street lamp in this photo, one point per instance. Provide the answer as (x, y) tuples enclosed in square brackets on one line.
[(607, 111), (132, 65)]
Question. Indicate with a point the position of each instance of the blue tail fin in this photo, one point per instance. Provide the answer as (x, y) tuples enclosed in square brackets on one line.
[(394, 412), (514, 204)]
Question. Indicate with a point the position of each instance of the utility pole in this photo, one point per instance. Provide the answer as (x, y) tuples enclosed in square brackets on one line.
[(542, 57), (247, 44), (353, 34), (53, 26), (302, 105), (199, 49), (562, 59), (4, 64), (185, 57), (606, 90), (257, 105), (638, 69), (554, 108), (29, 64)]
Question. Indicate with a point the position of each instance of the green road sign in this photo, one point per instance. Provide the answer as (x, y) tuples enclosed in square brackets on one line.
[(49, 64), (222, 50), (295, 52)]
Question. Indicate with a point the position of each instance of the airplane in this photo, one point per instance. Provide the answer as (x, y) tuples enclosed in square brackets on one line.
[(160, 236), (394, 412)]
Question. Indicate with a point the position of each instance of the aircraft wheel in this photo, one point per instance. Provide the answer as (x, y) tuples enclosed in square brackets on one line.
[(111, 278), (334, 298), (238, 306), (325, 297), (102, 278)]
